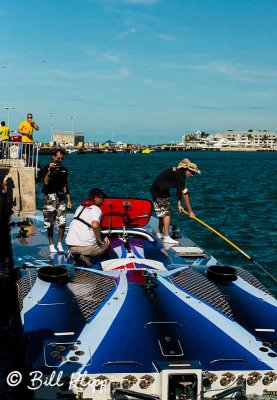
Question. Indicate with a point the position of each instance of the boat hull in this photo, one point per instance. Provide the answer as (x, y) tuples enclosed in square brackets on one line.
[(144, 318)]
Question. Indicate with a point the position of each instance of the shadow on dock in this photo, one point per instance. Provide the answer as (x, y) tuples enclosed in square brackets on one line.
[(11, 346)]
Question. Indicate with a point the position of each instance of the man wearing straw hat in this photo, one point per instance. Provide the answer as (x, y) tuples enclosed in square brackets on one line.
[(169, 179)]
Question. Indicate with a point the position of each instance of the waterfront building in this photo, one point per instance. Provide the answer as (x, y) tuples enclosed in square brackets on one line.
[(68, 138), (251, 140), (248, 139)]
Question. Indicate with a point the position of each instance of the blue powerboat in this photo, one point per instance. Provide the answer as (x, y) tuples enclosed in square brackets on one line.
[(145, 321)]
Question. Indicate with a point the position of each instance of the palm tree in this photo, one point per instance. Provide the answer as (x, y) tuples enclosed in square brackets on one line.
[(251, 139), (264, 139)]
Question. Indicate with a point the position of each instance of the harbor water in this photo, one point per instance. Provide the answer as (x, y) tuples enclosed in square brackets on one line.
[(236, 194)]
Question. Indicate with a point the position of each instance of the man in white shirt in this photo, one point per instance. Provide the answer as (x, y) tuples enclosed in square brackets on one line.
[(84, 236)]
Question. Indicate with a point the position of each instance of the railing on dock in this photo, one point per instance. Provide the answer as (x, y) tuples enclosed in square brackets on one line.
[(18, 154)]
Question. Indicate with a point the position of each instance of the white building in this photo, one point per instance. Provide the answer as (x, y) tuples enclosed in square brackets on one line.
[(254, 139), (68, 138), (233, 139)]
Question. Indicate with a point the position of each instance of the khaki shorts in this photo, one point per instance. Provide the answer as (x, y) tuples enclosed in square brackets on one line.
[(90, 251), (162, 207)]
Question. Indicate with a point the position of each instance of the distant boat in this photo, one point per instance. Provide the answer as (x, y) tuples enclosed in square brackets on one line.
[(45, 151), (70, 151), (147, 151), (89, 151)]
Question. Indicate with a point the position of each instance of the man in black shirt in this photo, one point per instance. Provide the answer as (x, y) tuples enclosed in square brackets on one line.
[(171, 178), (55, 191)]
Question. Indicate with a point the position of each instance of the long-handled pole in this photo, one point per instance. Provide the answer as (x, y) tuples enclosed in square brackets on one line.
[(232, 244)]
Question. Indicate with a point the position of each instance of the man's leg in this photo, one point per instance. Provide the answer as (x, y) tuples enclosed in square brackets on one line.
[(166, 224), (159, 210), (49, 214), (81, 254), (28, 149), (61, 218), (161, 225), (98, 249), (162, 210), (50, 234), (166, 213), (61, 233)]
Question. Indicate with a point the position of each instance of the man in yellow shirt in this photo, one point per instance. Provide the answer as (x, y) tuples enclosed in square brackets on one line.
[(5, 132), (26, 129), (4, 137)]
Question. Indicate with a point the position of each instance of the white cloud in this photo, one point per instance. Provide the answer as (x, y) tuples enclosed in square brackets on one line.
[(90, 51), (111, 56), (166, 37), (117, 2), (259, 94), (153, 84), (62, 72), (228, 68), (97, 55), (120, 73), (141, 2), (128, 32), (241, 72)]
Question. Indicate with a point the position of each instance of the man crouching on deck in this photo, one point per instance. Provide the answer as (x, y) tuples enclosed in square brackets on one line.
[(84, 236)]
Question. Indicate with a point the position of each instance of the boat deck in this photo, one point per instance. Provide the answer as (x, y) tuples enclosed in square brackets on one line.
[(31, 247), (140, 309)]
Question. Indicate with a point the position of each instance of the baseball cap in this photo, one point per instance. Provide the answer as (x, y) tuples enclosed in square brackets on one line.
[(95, 192)]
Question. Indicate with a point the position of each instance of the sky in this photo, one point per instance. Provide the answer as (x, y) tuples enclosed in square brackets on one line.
[(139, 71)]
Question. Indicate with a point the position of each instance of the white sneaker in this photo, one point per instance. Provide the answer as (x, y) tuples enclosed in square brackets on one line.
[(60, 247), (169, 240), (52, 248), (159, 235)]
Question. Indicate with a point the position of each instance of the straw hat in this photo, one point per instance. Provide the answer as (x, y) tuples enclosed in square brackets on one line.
[(186, 163)]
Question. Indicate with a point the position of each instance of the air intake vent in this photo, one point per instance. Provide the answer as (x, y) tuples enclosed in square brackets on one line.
[(251, 279), (199, 286), (25, 284), (90, 290)]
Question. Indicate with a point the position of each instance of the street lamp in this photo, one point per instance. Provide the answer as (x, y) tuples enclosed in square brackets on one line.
[(51, 126), (8, 108), (72, 122)]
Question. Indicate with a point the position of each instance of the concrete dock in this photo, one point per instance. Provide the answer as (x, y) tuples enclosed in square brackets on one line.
[(17, 195)]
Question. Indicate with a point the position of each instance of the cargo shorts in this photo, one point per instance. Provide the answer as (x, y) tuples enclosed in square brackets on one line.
[(54, 210), (162, 207)]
